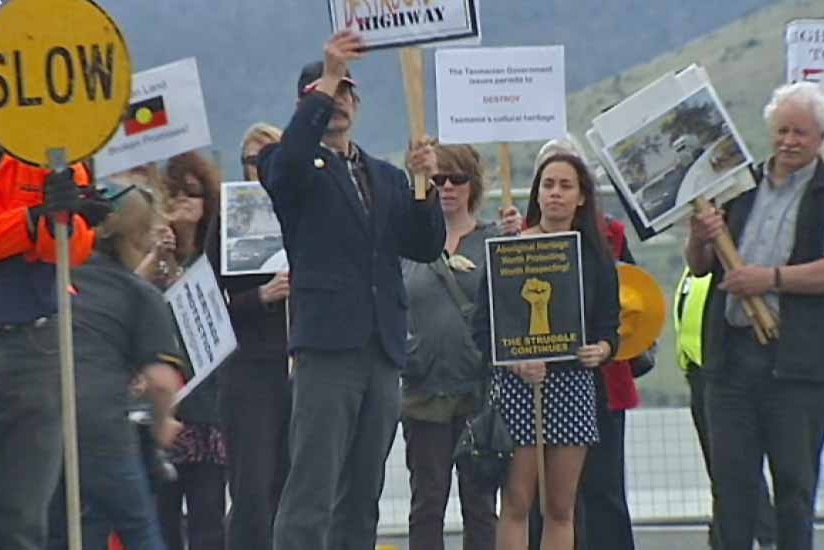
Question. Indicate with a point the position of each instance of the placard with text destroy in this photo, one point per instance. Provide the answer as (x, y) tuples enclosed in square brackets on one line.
[(536, 297)]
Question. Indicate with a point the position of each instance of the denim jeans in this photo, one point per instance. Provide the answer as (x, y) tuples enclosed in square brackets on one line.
[(30, 432), (115, 496)]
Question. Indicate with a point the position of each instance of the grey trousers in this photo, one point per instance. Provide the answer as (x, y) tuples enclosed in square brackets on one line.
[(751, 413), (31, 452), (345, 412)]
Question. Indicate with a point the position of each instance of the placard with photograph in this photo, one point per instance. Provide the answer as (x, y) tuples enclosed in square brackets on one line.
[(690, 149), (395, 24), (536, 297), (251, 234)]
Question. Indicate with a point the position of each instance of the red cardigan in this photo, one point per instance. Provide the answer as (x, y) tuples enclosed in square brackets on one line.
[(621, 390)]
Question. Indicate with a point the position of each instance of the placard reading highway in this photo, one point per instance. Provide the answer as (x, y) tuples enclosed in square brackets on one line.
[(536, 297), (501, 94), (394, 23)]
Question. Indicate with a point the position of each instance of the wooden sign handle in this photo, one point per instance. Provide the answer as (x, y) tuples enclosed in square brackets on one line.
[(506, 175), (415, 85), (68, 401), (764, 322), (540, 445)]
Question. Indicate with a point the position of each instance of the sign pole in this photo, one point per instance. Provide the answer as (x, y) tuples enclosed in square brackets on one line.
[(537, 401), (71, 460), (34, 129), (763, 320), (414, 84), (506, 175)]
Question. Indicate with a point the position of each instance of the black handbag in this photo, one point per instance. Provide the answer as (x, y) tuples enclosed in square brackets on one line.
[(485, 448)]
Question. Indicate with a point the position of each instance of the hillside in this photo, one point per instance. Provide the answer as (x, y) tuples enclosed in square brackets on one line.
[(250, 51)]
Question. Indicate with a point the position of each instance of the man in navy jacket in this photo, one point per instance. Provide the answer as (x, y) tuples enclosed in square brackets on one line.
[(347, 219)]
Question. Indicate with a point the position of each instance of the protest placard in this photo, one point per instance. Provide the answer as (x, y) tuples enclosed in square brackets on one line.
[(670, 143), (251, 234), (203, 322), (536, 297), (805, 50), (166, 117), (500, 94), (384, 24)]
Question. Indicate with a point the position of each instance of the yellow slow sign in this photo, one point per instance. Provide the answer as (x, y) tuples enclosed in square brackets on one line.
[(65, 78)]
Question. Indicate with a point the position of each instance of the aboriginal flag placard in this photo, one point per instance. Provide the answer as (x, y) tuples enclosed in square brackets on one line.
[(166, 116), (536, 297), (145, 115)]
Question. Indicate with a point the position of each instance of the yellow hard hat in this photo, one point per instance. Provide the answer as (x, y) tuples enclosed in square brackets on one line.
[(643, 311)]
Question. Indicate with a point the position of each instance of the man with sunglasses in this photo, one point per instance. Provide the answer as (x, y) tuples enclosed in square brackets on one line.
[(30, 422), (347, 219)]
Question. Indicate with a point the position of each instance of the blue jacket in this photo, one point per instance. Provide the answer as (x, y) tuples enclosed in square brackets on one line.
[(345, 269)]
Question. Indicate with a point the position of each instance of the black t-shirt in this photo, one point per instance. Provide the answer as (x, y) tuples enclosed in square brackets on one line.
[(121, 324)]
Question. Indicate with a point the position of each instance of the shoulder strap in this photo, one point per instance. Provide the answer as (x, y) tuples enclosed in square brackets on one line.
[(445, 274)]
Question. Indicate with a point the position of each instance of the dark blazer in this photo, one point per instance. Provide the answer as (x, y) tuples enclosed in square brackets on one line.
[(345, 274)]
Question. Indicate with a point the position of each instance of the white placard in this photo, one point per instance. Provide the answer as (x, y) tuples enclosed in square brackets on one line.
[(251, 237), (203, 321), (501, 94), (388, 24), (166, 117), (805, 50)]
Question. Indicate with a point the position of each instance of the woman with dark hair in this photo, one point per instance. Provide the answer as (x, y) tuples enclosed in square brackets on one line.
[(444, 379), (602, 514), (193, 185), (254, 385), (562, 199)]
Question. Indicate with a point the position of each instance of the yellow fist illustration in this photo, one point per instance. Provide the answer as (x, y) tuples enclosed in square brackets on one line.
[(538, 293)]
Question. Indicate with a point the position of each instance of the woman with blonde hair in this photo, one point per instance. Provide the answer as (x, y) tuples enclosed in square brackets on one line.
[(255, 400)]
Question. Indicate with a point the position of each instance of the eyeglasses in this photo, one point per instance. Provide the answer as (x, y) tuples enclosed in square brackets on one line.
[(455, 179), (189, 192), (249, 160)]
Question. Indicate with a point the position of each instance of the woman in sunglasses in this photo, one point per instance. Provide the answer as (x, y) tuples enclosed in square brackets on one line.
[(444, 378), (193, 185)]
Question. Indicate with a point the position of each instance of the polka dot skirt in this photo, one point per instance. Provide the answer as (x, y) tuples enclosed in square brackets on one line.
[(568, 406)]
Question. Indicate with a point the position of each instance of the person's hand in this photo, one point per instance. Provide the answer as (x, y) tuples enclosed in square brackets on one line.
[(166, 431), (532, 372), (421, 158), (275, 290), (164, 241), (344, 47), (750, 280), (593, 355), (706, 226), (511, 220), (60, 194)]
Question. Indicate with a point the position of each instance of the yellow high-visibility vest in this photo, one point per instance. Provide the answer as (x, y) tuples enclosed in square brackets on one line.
[(688, 313)]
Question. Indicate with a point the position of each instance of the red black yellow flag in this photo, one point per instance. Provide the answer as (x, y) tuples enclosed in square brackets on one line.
[(145, 115)]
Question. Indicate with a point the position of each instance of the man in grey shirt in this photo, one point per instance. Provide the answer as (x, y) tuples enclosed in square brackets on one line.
[(769, 399)]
